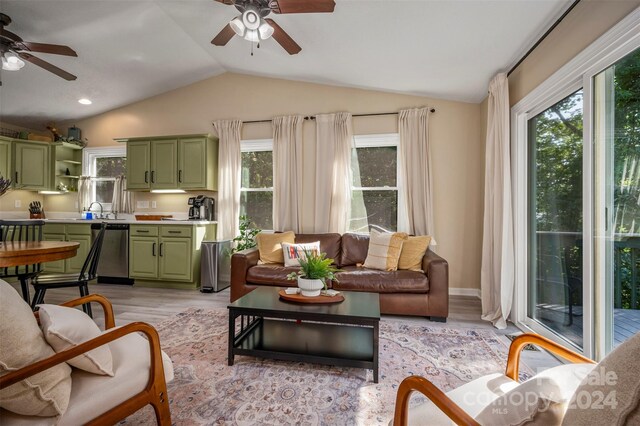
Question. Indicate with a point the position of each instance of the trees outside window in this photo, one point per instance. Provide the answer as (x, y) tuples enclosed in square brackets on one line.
[(256, 184)]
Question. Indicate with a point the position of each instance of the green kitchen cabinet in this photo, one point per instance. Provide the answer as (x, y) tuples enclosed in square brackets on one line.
[(58, 266), (79, 233), (32, 166), (175, 259), (164, 164), (5, 159), (138, 165), (74, 264), (172, 162), (198, 163), (143, 257)]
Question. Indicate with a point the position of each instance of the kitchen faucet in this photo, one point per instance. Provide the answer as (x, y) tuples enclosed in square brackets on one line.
[(101, 209)]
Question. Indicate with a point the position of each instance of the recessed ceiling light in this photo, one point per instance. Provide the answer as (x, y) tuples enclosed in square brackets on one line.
[(85, 101)]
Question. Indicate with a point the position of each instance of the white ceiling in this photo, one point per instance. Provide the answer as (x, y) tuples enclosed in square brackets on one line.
[(129, 50)]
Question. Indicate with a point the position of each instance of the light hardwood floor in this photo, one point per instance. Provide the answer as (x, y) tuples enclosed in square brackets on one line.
[(153, 305)]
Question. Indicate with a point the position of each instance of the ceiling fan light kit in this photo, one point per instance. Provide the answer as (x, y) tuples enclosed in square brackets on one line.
[(252, 25), (11, 62)]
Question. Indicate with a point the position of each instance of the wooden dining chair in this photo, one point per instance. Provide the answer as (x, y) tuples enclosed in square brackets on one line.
[(21, 230), (87, 273)]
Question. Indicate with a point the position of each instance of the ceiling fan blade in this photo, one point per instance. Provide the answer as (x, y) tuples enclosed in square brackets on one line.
[(283, 38), (54, 49), (302, 6), (227, 2), (47, 66), (223, 36), (9, 35)]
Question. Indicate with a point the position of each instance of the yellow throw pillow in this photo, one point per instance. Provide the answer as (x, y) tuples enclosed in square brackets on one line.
[(384, 250), (270, 245), (413, 250)]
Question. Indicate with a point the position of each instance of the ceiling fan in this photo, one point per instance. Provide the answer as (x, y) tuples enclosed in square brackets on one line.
[(253, 26), (13, 50)]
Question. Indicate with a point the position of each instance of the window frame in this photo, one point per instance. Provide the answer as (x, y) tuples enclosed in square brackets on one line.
[(89, 157), (382, 140), (257, 145)]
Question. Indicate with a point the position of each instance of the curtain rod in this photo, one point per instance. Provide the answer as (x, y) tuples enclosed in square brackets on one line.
[(541, 39), (313, 117)]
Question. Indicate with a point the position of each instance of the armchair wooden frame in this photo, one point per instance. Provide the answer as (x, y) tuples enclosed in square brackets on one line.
[(450, 408), (155, 392)]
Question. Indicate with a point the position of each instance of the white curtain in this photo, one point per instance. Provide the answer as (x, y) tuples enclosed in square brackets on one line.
[(497, 274), (122, 199), (84, 193), (229, 170), (287, 173), (415, 164), (334, 142)]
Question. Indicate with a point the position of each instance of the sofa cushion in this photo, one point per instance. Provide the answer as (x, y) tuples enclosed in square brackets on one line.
[(354, 278), (22, 343), (413, 250), (384, 250), (294, 252), (92, 395), (329, 243), (270, 245), (271, 274), (354, 249), (64, 327)]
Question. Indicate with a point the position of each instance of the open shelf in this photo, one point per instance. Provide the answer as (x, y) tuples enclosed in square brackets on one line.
[(68, 176), (71, 162)]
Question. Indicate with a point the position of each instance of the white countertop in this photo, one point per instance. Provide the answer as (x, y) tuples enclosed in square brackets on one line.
[(133, 221)]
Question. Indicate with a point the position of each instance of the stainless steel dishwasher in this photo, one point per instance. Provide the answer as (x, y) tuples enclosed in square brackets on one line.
[(113, 267)]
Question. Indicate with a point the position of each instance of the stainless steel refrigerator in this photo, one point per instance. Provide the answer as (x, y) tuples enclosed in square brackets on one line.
[(215, 265)]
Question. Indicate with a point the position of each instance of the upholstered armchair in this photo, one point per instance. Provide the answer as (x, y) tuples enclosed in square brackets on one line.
[(137, 370), (578, 393)]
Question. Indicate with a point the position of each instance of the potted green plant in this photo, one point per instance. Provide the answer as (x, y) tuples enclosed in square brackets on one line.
[(315, 270), (247, 237)]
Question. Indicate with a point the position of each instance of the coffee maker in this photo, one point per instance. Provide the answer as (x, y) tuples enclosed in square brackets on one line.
[(202, 208)]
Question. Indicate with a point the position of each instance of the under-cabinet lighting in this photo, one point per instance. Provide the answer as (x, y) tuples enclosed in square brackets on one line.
[(168, 191), (51, 192)]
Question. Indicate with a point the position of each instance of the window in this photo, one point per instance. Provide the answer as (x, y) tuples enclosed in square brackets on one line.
[(374, 191), (103, 165), (256, 183)]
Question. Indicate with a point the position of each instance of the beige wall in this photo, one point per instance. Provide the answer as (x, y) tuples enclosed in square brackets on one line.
[(586, 22), (457, 145)]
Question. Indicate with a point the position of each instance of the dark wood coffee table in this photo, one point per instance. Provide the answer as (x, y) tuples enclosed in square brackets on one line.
[(343, 334)]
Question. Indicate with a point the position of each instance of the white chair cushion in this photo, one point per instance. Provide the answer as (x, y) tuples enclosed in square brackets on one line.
[(22, 343), (64, 327), (92, 395), (541, 400), (472, 397)]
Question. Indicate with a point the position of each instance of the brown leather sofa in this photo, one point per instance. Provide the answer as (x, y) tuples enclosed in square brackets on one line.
[(401, 292)]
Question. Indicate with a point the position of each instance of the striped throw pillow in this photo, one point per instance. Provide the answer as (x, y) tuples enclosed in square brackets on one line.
[(384, 250)]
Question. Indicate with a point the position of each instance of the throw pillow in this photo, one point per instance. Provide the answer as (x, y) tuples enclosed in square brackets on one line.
[(22, 343), (294, 252), (270, 245), (610, 394), (64, 327), (413, 250), (384, 250)]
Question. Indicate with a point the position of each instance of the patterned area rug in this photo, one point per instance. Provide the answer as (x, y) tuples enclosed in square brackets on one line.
[(253, 391)]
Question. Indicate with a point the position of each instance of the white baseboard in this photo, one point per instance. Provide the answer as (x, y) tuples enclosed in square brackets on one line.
[(459, 291)]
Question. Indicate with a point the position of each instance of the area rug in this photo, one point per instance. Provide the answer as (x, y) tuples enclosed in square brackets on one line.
[(206, 391)]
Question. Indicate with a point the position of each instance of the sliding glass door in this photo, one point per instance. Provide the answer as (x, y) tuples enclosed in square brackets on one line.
[(616, 130), (555, 284)]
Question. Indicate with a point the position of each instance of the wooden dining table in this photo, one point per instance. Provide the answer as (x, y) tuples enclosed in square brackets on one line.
[(18, 253)]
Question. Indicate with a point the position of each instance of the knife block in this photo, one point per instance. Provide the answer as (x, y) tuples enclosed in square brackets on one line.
[(37, 216)]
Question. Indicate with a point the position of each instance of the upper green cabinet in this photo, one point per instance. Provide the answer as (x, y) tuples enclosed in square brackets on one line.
[(172, 162), (5, 159), (32, 166)]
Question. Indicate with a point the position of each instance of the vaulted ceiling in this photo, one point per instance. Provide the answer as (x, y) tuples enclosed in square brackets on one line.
[(130, 50)]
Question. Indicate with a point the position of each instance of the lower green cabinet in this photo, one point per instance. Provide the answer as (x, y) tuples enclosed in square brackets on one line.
[(143, 259), (175, 259), (163, 258), (77, 233)]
